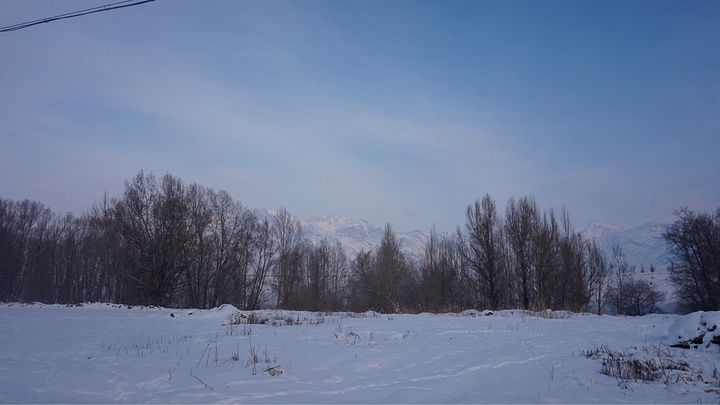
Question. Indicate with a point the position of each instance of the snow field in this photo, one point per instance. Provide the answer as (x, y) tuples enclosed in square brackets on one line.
[(103, 353)]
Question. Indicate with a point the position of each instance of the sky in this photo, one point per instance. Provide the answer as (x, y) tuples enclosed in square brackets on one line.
[(400, 112)]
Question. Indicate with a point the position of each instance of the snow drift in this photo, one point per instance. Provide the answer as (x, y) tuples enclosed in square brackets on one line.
[(698, 330)]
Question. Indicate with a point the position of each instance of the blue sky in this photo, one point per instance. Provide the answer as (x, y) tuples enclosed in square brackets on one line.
[(390, 111)]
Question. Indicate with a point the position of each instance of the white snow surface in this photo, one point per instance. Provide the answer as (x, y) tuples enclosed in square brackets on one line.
[(104, 353)]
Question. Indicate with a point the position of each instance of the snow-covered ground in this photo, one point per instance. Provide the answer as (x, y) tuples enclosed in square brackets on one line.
[(101, 353)]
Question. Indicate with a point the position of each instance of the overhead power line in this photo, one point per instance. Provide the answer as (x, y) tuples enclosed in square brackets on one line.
[(108, 7)]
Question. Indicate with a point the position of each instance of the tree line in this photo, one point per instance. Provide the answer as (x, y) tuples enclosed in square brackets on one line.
[(170, 244)]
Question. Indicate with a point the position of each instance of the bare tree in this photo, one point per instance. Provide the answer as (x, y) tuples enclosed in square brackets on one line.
[(598, 268), (200, 271), (288, 267), (10, 250), (572, 287), (325, 277), (481, 247), (395, 279), (621, 279), (384, 281), (264, 249), (338, 277), (317, 265), (42, 254), (68, 273), (235, 227), (361, 282), (521, 223), (440, 272), (153, 222), (111, 253), (546, 252), (642, 298), (694, 242), (36, 241)]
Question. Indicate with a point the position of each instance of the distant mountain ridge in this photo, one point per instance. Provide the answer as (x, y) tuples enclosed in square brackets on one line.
[(355, 235), (642, 245)]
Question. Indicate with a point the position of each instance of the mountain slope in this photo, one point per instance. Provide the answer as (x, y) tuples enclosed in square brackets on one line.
[(642, 245), (357, 234)]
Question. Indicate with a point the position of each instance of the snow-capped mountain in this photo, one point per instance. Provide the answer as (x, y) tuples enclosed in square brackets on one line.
[(357, 234), (354, 234), (264, 213), (642, 245)]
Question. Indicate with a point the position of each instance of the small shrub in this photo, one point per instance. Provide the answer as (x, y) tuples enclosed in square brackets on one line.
[(273, 371), (649, 364), (277, 319), (254, 359), (625, 367), (255, 319)]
